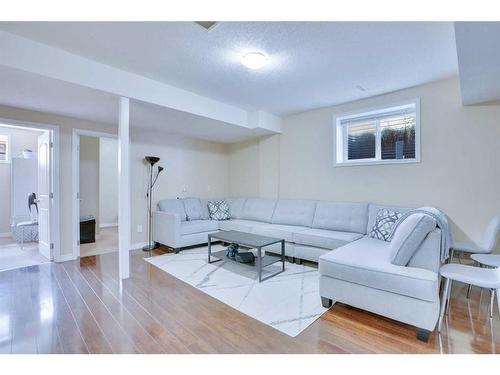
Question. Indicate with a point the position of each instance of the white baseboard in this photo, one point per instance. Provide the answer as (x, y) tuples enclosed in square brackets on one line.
[(65, 258), (7, 234), (108, 225)]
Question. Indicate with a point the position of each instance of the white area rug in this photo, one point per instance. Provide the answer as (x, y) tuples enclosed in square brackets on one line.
[(288, 302)]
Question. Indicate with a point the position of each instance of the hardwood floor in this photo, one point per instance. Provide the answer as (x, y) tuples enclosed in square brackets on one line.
[(81, 307)]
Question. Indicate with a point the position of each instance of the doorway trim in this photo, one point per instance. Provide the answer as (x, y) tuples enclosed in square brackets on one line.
[(75, 183), (55, 204)]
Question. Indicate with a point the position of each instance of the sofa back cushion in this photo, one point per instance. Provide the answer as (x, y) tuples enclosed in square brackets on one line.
[(341, 216), (204, 207), (193, 208), (258, 209), (428, 255), (373, 210), (408, 237), (175, 206), (235, 207), (294, 212)]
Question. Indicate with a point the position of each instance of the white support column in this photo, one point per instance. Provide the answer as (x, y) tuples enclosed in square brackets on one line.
[(124, 188)]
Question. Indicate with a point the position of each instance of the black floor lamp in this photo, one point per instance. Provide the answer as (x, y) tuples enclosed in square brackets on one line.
[(152, 160)]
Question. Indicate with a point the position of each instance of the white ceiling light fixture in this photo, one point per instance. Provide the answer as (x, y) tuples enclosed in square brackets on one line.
[(254, 60)]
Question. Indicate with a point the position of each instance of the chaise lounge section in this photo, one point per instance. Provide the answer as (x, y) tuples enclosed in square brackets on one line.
[(354, 268)]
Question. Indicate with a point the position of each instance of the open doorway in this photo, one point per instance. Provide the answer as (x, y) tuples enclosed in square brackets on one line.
[(26, 196), (97, 199)]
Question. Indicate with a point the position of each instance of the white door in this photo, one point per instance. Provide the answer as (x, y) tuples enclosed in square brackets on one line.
[(44, 195)]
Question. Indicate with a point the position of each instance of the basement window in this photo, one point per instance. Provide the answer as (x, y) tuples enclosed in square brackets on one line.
[(387, 135), (4, 149)]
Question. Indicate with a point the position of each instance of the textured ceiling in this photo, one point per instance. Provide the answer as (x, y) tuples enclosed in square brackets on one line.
[(311, 64)]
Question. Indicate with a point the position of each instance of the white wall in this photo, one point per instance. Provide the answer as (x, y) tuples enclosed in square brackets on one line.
[(244, 169), (459, 172), (20, 139), (108, 180), (89, 178), (254, 168), (199, 167)]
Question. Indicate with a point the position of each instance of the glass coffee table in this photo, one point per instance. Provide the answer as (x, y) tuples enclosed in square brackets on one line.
[(250, 241)]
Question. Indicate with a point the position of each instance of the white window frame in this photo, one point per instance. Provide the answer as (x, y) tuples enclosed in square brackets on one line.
[(9, 146), (340, 155)]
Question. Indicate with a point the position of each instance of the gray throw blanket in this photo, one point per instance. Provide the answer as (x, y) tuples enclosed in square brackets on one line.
[(442, 223)]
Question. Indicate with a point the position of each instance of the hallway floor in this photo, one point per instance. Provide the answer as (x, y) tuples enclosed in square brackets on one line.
[(106, 243), (13, 256)]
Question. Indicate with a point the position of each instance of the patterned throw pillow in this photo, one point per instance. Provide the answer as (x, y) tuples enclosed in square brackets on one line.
[(219, 210), (384, 224)]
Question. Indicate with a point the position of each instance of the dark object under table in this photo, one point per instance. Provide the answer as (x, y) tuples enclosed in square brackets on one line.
[(250, 241)]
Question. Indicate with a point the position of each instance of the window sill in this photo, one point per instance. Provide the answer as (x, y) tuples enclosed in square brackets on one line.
[(376, 162)]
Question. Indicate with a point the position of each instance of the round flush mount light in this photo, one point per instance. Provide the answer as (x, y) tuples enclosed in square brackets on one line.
[(254, 60)]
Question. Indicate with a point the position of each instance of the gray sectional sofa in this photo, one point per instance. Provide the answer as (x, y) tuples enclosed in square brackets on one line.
[(354, 268)]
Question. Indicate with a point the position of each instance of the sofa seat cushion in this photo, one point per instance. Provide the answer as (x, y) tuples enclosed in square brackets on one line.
[(198, 226), (284, 232), (367, 262), (327, 239), (240, 225)]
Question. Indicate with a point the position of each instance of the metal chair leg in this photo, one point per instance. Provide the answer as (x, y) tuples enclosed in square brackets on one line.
[(468, 290), (492, 301), (444, 303), (448, 297), (498, 300), (452, 256)]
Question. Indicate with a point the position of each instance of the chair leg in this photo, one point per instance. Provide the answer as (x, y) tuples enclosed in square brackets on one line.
[(468, 291), (448, 298), (498, 300), (444, 302), (492, 301), (452, 256)]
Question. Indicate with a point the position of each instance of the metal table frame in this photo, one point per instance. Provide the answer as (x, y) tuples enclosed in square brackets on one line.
[(260, 265)]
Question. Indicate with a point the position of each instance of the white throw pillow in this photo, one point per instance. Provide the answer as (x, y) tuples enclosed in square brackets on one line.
[(408, 236)]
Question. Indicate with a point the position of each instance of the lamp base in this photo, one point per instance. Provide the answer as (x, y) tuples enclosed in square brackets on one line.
[(150, 247)]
